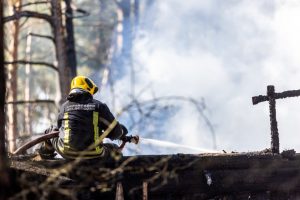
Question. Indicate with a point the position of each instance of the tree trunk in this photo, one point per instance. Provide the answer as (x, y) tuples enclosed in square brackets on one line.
[(27, 117), (136, 15), (64, 70), (71, 52), (4, 178), (126, 53), (12, 82)]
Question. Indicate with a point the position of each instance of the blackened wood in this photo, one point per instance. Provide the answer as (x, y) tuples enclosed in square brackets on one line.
[(286, 94), (271, 97), (256, 174), (282, 95), (259, 99), (189, 176), (273, 120)]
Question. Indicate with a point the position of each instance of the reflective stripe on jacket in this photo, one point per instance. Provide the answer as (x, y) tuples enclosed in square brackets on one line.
[(81, 122)]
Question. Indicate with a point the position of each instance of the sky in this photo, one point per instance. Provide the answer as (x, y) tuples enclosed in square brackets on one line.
[(224, 52)]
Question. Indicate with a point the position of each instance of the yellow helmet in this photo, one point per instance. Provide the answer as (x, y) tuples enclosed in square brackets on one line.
[(84, 83)]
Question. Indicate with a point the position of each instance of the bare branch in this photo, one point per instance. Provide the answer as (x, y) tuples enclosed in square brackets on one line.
[(23, 23), (31, 101), (82, 12), (42, 36), (199, 106), (32, 63), (27, 13), (33, 3)]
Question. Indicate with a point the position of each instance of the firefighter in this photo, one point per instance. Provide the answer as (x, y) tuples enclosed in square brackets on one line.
[(83, 122)]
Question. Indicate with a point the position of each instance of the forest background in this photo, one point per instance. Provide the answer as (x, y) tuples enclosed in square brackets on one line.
[(178, 71), (49, 42)]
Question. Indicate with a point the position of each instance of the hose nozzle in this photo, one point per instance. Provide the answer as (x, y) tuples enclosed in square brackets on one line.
[(135, 139)]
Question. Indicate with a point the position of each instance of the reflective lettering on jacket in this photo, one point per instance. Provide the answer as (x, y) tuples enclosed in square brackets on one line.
[(82, 123), (81, 131)]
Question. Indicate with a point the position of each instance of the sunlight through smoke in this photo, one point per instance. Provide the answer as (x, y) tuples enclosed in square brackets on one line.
[(225, 52)]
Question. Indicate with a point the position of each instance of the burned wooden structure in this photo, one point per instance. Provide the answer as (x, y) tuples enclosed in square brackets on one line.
[(271, 97), (256, 175)]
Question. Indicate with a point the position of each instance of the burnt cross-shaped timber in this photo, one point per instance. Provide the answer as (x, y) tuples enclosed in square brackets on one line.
[(271, 97)]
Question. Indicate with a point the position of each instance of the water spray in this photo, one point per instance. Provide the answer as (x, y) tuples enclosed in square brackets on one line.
[(168, 144)]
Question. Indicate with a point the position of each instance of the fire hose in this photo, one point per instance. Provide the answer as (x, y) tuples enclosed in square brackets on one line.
[(54, 134)]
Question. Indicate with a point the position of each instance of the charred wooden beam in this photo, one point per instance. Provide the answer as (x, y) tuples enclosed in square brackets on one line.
[(184, 176), (273, 120), (282, 95), (271, 97)]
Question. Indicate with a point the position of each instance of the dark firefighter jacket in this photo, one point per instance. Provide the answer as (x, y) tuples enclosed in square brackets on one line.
[(81, 121)]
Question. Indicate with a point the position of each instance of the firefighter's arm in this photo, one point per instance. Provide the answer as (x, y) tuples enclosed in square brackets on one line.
[(60, 116), (124, 132), (106, 119)]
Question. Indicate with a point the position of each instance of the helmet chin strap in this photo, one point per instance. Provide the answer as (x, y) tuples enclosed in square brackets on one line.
[(77, 90), (95, 90)]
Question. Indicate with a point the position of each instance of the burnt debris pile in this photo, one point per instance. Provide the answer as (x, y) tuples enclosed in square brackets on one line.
[(257, 175)]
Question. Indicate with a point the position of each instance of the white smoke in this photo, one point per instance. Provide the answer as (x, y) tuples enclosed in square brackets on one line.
[(226, 52)]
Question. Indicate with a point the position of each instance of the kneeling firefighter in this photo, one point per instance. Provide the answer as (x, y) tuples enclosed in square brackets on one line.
[(83, 122)]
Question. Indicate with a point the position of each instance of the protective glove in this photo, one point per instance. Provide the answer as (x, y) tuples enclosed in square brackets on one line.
[(50, 129), (134, 139)]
